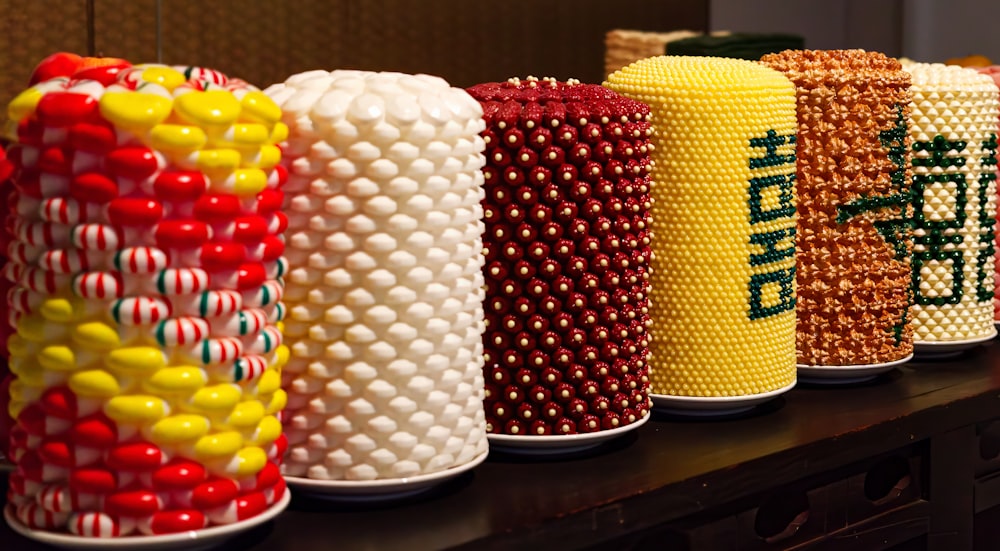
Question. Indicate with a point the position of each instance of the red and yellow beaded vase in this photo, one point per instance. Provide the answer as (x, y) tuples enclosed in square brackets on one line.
[(146, 268), (567, 247)]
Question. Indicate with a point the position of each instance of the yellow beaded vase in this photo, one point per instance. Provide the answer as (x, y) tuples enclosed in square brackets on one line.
[(723, 271)]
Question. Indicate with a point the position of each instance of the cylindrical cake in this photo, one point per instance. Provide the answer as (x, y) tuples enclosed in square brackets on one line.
[(723, 268), (953, 124), (6, 422), (994, 72), (146, 262), (385, 287), (854, 232), (567, 257)]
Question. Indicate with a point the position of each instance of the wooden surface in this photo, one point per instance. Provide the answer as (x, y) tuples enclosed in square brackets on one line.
[(672, 471)]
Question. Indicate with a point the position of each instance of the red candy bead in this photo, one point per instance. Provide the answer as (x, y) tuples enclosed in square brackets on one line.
[(217, 208), (132, 503), (60, 109), (135, 212), (92, 137), (178, 474), (214, 493), (93, 187), (172, 234), (135, 162), (170, 522), (95, 431), (178, 186), (137, 456)]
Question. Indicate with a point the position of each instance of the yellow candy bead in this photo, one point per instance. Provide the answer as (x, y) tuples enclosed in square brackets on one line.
[(268, 430), (176, 379), (248, 134), (136, 409), (164, 76), (135, 110), (278, 401), (31, 372), (60, 310), (18, 347), (136, 359), (217, 397), (179, 428), (251, 461), (94, 383), (279, 133), (57, 357), (22, 106), (32, 328), (178, 138), (210, 108), (257, 107), (96, 335), (249, 181), (268, 382), (282, 354), (246, 415), (220, 443), (268, 156), (218, 159)]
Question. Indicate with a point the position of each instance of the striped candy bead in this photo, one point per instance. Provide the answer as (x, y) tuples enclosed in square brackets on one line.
[(181, 331), (140, 260), (140, 310), (99, 285), (181, 281), (63, 210), (99, 237)]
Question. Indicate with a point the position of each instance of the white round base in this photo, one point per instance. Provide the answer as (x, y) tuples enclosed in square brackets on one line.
[(945, 349), (556, 444), (713, 406), (845, 374), (389, 489), (182, 541)]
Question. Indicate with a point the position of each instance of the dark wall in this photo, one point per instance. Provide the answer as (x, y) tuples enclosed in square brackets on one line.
[(264, 41)]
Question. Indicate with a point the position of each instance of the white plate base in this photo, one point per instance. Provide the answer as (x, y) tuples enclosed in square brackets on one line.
[(712, 406), (946, 349), (183, 541), (559, 444), (845, 374), (372, 491)]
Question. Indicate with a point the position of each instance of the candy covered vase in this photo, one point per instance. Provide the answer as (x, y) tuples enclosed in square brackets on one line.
[(146, 263), (384, 291), (567, 259), (854, 236), (723, 221)]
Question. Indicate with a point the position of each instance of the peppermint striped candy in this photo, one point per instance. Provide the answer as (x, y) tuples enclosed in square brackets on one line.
[(24, 300), (23, 253), (219, 302), (181, 331), (244, 322), (218, 351), (267, 341), (65, 261), (62, 499), (181, 281), (277, 268), (44, 234), (99, 237), (140, 260), (63, 210), (141, 310), (44, 281), (34, 516), (248, 368), (277, 313), (269, 293), (94, 525), (101, 285), (203, 74)]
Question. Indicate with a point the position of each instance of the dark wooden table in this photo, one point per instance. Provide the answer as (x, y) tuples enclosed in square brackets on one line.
[(907, 460)]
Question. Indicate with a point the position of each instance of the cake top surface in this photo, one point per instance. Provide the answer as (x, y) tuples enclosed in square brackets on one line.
[(568, 100), (692, 73), (838, 64), (945, 77)]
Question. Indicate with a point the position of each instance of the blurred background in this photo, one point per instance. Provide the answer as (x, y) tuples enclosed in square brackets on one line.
[(465, 41)]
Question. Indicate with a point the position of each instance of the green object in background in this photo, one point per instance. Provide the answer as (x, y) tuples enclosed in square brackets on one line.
[(737, 45)]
